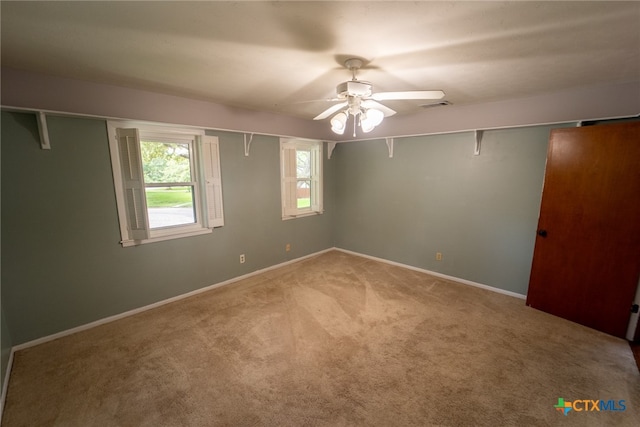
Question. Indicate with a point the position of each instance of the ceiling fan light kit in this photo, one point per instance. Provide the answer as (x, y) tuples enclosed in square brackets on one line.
[(357, 99), (368, 118)]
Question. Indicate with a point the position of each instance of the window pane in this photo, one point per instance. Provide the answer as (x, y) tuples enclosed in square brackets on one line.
[(165, 162), (303, 194), (303, 163), (168, 206)]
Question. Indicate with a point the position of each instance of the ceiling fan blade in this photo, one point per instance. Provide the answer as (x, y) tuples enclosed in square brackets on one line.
[(319, 100), (410, 94), (329, 111), (369, 103)]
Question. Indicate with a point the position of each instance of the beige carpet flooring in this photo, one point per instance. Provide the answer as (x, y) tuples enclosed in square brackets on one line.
[(334, 340)]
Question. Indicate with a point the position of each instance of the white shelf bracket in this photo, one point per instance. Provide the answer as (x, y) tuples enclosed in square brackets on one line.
[(478, 135), (389, 142), (247, 144), (330, 147), (45, 144)]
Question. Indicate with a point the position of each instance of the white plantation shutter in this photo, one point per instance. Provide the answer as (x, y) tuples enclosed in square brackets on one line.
[(133, 181), (212, 181), (289, 180), (316, 178)]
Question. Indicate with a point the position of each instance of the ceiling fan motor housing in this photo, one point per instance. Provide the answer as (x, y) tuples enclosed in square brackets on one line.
[(354, 88)]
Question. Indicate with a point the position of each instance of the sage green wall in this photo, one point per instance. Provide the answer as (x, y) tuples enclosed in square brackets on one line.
[(62, 264), (434, 195)]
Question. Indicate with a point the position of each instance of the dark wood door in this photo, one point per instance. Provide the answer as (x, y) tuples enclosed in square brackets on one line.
[(586, 260)]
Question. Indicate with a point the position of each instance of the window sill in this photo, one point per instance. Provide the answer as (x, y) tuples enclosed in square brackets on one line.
[(285, 218), (128, 243)]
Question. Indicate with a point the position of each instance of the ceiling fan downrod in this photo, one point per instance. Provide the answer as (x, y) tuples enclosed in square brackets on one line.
[(354, 65)]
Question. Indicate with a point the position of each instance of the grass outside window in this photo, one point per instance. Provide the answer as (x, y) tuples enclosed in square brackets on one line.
[(169, 197)]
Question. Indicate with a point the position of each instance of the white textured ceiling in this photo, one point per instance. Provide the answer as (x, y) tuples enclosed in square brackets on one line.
[(270, 56)]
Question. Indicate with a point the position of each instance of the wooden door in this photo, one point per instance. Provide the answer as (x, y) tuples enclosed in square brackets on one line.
[(586, 260)]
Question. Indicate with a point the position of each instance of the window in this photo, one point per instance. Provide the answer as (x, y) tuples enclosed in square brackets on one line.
[(167, 182), (301, 177)]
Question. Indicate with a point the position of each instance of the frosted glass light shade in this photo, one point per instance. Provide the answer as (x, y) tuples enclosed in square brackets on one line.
[(366, 124), (375, 116), (339, 123)]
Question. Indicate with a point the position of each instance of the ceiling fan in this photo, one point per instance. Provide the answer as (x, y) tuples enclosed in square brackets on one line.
[(356, 98)]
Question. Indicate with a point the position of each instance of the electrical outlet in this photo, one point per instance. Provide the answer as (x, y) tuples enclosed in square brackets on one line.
[(438, 256), (242, 259), (287, 248)]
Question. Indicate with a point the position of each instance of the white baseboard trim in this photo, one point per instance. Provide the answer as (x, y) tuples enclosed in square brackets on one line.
[(135, 311), (5, 383), (433, 273), (158, 304)]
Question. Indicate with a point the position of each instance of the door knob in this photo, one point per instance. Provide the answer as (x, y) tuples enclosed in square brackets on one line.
[(542, 233)]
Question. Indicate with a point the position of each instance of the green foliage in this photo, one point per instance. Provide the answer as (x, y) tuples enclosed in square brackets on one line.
[(165, 162)]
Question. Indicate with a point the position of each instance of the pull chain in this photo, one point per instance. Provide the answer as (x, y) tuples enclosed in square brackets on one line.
[(355, 119)]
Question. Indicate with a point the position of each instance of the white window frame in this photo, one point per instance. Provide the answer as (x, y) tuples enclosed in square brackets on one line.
[(126, 162), (289, 179)]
